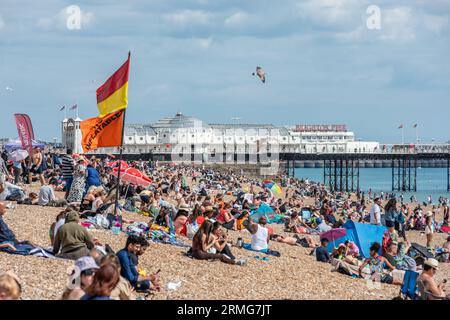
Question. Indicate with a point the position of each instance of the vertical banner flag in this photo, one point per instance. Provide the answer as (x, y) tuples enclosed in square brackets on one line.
[(102, 131), (113, 94), (25, 130)]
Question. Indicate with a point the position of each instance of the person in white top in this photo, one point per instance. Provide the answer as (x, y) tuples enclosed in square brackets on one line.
[(429, 229), (375, 213), (260, 235)]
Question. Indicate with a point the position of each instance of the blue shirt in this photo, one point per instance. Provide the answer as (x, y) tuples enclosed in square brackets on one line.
[(322, 254), (93, 178), (5, 233), (128, 268)]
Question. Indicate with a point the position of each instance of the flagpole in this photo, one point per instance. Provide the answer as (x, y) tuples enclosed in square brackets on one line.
[(120, 154), (116, 203), (77, 110), (403, 137)]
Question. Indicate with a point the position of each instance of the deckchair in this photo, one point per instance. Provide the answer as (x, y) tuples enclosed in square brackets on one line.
[(409, 286)]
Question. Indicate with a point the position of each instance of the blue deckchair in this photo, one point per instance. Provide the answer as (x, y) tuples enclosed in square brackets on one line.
[(409, 286)]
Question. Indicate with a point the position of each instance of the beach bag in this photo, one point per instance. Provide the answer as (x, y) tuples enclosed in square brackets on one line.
[(191, 229), (101, 221)]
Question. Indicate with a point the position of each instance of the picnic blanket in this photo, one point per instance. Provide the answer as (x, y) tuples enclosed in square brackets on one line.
[(161, 236), (29, 250)]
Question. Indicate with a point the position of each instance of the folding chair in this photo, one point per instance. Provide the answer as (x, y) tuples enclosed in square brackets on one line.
[(425, 295), (409, 286)]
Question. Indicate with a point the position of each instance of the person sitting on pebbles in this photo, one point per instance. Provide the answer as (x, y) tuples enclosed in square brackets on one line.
[(73, 240)]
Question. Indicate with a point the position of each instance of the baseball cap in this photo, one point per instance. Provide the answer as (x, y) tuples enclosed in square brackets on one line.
[(86, 263)]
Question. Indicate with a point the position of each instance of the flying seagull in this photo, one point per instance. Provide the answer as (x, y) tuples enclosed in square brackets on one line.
[(260, 73), (9, 88)]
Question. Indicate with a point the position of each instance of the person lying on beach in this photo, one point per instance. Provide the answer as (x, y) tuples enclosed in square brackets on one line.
[(10, 192), (296, 240), (204, 240), (32, 199)]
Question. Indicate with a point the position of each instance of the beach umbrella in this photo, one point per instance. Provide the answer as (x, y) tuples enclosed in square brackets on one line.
[(114, 164), (260, 73), (334, 234), (274, 187), (18, 155), (134, 176)]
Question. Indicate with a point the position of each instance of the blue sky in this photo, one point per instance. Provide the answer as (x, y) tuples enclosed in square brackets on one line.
[(323, 64)]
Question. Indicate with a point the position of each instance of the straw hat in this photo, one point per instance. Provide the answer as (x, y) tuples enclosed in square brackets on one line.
[(432, 263)]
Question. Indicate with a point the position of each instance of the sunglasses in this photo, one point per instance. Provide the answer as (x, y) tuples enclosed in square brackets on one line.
[(88, 272)]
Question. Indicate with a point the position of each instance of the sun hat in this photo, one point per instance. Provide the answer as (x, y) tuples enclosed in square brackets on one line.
[(432, 263)]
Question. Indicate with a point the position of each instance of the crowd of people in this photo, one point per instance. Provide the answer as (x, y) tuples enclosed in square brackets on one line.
[(193, 202)]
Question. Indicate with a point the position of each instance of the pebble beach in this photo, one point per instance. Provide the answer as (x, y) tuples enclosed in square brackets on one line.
[(295, 275)]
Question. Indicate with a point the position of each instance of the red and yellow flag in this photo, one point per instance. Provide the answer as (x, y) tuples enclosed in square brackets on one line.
[(113, 94), (102, 131)]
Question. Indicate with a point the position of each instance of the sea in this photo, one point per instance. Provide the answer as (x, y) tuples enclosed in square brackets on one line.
[(430, 181)]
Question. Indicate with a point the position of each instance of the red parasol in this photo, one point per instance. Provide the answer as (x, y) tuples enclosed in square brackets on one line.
[(114, 164), (133, 175)]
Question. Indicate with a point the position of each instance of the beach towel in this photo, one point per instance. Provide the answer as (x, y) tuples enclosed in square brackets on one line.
[(41, 252), (248, 246)]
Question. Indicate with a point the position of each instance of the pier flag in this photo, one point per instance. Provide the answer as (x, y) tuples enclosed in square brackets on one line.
[(62, 108), (102, 131), (113, 94), (401, 126), (74, 107), (415, 126)]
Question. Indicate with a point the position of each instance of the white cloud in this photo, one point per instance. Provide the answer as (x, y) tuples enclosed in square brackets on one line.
[(59, 21), (398, 24), (204, 43), (351, 36), (329, 12), (2, 23), (236, 19), (435, 23), (187, 17)]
